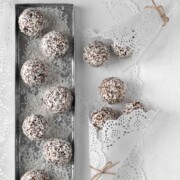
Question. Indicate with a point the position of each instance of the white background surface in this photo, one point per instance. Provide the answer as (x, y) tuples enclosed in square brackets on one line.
[(160, 72)]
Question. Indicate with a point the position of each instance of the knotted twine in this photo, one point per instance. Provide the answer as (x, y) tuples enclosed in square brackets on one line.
[(104, 170), (161, 12)]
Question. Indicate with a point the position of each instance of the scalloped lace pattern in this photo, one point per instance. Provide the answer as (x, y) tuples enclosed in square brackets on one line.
[(113, 132)]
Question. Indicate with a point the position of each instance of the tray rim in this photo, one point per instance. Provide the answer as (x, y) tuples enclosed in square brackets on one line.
[(17, 76)]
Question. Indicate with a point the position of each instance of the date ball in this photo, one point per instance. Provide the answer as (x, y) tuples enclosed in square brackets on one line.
[(31, 22), (35, 127), (99, 117), (58, 99), (57, 151), (96, 54), (54, 44), (34, 72), (121, 51), (130, 107), (112, 90), (35, 175)]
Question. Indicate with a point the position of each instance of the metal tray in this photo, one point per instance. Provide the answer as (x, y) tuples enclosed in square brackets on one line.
[(29, 99)]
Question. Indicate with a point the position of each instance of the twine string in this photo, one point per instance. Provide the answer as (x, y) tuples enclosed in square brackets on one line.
[(161, 12), (104, 170)]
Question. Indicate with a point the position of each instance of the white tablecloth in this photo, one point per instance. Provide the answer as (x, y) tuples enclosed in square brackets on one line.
[(160, 74)]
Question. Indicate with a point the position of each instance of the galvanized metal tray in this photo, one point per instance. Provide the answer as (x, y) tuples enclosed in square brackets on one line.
[(29, 99)]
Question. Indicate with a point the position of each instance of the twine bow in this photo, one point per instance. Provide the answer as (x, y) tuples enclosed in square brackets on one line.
[(161, 12), (104, 170)]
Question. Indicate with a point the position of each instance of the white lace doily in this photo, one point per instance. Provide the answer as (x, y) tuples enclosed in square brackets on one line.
[(116, 140), (113, 131)]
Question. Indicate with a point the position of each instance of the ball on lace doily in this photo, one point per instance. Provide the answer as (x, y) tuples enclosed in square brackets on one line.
[(58, 99), (112, 90), (96, 54), (121, 51), (31, 22), (35, 175), (34, 72), (35, 127), (130, 107), (99, 117), (57, 151), (54, 44)]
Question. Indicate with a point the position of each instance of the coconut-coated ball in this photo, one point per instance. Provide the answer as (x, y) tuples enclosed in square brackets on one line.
[(34, 72), (112, 90), (130, 107), (57, 151), (31, 22), (96, 54), (35, 175), (35, 126), (99, 117), (54, 44), (58, 99), (121, 51)]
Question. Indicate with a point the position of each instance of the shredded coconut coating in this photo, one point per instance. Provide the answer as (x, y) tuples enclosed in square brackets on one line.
[(112, 90), (54, 44), (35, 126), (99, 117), (33, 72), (58, 99), (121, 51), (57, 151), (96, 54), (130, 107), (35, 175), (31, 22)]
